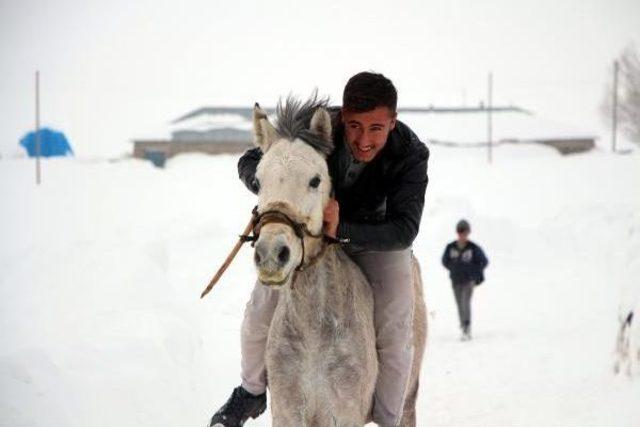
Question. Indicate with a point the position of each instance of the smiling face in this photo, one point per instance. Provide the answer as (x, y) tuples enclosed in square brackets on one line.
[(293, 178), (367, 132), (463, 236)]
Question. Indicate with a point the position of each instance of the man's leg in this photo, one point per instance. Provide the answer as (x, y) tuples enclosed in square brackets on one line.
[(391, 277), (255, 329), (458, 292), (249, 400), (463, 293), (467, 293)]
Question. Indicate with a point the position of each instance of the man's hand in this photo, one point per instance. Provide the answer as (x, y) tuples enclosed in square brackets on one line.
[(331, 218)]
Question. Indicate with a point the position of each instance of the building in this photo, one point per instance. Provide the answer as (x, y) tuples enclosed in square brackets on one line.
[(468, 127), (218, 130), (211, 130)]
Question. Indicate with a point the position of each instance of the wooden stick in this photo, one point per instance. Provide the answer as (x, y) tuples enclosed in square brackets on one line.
[(229, 259)]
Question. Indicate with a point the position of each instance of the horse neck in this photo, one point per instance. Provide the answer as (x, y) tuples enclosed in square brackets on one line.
[(313, 248), (311, 287)]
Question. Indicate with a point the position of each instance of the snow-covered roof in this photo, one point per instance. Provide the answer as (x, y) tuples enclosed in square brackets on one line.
[(467, 128), (209, 121), (245, 112), (455, 125), (206, 123)]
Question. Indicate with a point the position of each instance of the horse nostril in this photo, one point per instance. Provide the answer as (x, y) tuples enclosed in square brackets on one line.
[(256, 257), (283, 255)]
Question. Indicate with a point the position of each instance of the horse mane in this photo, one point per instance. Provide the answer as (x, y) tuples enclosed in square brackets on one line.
[(293, 119)]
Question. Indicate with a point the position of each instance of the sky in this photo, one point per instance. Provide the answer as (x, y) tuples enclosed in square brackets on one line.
[(113, 71)]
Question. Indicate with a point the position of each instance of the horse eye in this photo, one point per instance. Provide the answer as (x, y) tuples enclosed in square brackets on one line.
[(315, 182), (255, 184)]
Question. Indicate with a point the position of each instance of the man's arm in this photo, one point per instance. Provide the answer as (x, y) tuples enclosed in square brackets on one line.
[(404, 210), (480, 258), (446, 261), (247, 168)]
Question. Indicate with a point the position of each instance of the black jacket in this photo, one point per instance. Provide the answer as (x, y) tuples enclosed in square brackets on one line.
[(381, 211), (466, 264)]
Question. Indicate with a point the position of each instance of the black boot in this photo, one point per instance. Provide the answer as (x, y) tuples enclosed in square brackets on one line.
[(240, 406)]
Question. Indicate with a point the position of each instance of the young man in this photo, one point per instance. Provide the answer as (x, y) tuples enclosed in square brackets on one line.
[(379, 174), (466, 263)]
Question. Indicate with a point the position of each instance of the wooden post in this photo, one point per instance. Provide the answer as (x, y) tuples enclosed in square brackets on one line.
[(489, 118), (38, 147), (614, 107)]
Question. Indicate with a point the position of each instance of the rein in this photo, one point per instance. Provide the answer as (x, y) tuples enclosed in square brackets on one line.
[(252, 233)]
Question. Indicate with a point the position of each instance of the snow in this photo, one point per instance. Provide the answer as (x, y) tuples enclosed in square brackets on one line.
[(102, 266)]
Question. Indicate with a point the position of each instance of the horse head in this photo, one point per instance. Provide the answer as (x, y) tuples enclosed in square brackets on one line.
[(293, 186)]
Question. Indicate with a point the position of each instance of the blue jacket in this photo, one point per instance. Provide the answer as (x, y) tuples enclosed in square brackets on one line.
[(466, 264)]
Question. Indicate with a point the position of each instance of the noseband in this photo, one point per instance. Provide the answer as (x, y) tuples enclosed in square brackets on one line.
[(300, 229), (251, 233)]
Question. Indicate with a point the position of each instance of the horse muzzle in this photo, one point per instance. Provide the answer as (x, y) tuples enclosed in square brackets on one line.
[(273, 259)]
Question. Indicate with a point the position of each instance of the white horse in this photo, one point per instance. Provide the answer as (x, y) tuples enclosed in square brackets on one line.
[(321, 354)]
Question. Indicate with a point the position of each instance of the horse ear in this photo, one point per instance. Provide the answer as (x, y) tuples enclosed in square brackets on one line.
[(264, 132), (321, 124)]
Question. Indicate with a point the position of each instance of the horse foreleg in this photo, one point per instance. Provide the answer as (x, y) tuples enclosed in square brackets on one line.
[(284, 417)]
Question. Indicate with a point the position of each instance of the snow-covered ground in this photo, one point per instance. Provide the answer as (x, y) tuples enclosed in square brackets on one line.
[(101, 269)]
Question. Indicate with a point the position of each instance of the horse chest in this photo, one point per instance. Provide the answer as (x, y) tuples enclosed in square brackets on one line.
[(307, 332), (314, 345)]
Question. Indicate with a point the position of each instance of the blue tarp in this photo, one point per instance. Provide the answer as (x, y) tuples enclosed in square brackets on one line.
[(52, 143)]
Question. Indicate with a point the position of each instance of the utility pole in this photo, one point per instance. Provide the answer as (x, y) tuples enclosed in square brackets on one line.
[(614, 112), (38, 128), (489, 118)]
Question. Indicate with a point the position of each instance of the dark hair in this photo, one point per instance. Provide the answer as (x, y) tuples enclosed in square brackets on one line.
[(366, 91), (462, 226)]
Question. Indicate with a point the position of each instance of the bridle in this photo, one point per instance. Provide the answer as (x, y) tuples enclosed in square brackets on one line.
[(252, 233), (300, 229)]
